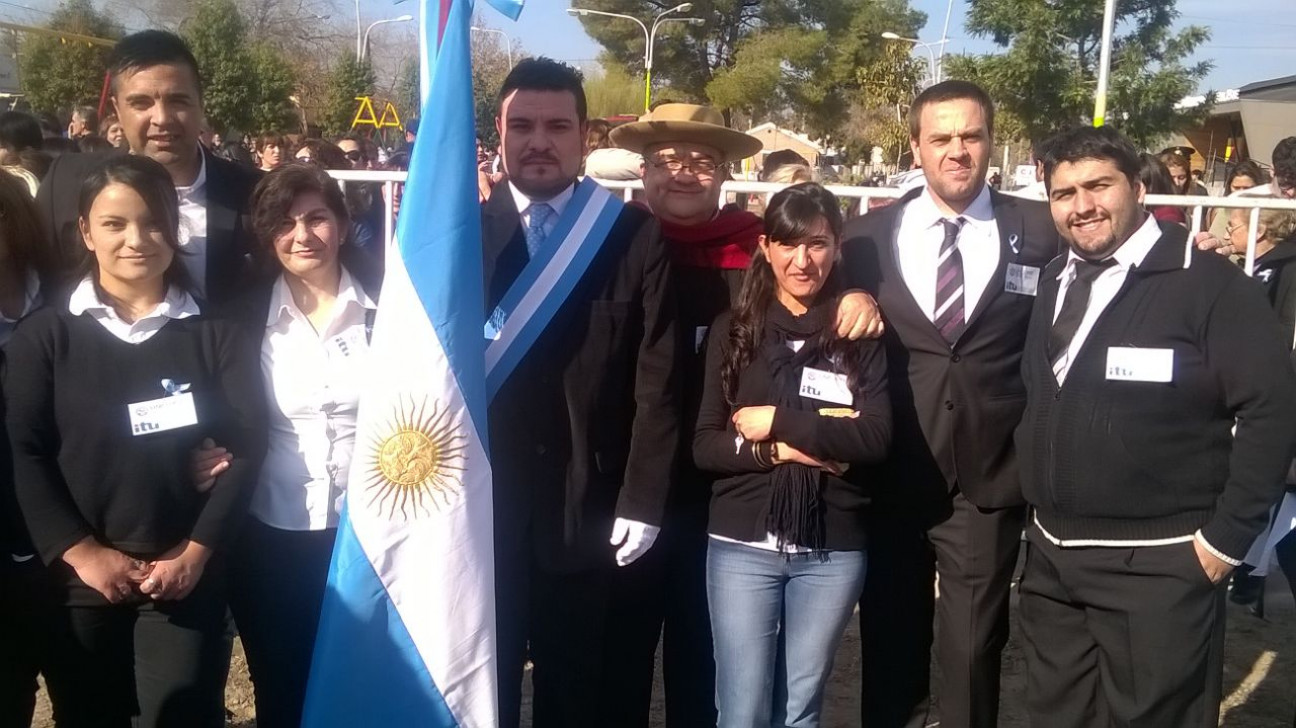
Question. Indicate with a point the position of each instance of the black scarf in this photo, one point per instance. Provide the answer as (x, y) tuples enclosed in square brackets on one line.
[(795, 512)]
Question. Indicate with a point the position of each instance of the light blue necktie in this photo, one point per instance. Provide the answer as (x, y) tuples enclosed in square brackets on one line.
[(535, 232)]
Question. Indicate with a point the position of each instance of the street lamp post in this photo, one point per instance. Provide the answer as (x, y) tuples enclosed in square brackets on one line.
[(650, 35), (364, 44), (935, 72), (508, 42), (359, 42)]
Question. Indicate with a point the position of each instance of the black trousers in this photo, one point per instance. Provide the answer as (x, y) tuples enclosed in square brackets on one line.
[(141, 665), (688, 654), (25, 604), (591, 638), (974, 551), (1121, 636), (277, 582)]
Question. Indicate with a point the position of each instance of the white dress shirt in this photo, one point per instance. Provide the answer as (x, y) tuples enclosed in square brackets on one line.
[(918, 244), (1105, 287), (313, 380), (193, 227), (558, 202), (85, 300)]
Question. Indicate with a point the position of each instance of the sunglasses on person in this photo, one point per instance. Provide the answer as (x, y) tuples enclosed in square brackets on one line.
[(354, 155)]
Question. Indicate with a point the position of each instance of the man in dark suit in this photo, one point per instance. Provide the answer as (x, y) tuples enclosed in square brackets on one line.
[(583, 433), (157, 96), (954, 267), (1157, 433)]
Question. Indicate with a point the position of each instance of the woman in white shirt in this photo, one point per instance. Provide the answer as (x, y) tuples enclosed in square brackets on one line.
[(313, 320)]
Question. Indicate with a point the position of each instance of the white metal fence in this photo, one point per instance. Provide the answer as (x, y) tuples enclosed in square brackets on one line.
[(1197, 205)]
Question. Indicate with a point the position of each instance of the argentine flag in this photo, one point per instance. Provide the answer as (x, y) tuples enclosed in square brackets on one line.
[(407, 632)]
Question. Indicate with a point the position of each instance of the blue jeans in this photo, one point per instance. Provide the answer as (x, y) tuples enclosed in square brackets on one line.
[(777, 620)]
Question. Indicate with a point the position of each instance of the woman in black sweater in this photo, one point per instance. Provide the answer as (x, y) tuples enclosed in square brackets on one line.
[(787, 409), (108, 391)]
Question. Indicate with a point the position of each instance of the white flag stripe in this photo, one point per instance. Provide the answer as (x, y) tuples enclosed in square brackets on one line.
[(448, 608)]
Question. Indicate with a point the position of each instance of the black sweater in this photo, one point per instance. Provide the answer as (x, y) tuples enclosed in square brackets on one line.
[(78, 469), (741, 497), (1137, 461)]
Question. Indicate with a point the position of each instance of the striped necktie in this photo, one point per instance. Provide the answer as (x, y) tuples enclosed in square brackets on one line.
[(949, 314)]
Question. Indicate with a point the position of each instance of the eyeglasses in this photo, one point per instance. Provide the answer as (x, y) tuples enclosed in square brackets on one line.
[(354, 155), (696, 167)]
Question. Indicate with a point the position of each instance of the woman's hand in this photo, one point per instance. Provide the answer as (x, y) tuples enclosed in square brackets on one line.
[(177, 572), (106, 570), (785, 453), (754, 423), (208, 461)]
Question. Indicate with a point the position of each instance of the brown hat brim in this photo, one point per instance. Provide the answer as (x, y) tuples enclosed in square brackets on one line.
[(639, 135)]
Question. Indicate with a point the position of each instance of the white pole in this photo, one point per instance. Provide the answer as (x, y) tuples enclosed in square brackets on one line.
[(1003, 176), (944, 41), (1104, 64)]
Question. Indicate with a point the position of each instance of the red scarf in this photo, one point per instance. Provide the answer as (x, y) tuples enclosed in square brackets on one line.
[(725, 241)]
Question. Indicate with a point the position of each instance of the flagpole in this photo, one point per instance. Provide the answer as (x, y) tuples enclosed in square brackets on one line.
[(1104, 64)]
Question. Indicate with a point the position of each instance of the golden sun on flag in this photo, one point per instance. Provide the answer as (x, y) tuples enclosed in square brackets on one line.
[(415, 461)]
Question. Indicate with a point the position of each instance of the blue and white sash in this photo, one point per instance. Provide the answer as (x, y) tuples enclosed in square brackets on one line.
[(547, 281)]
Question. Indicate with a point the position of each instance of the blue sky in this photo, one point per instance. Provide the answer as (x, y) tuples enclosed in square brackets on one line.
[(1251, 39)]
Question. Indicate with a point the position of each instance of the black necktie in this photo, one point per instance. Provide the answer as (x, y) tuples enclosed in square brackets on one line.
[(1074, 306), (950, 315)]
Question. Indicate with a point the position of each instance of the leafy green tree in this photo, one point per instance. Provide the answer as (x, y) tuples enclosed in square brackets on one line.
[(246, 86), (612, 92), (57, 73), (349, 78), (490, 63), (1045, 79)]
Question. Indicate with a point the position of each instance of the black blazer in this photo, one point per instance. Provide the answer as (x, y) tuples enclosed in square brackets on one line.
[(230, 240), (954, 408), (587, 427)]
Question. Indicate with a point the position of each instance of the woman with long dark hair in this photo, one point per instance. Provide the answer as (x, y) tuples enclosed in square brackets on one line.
[(788, 408), (107, 393)]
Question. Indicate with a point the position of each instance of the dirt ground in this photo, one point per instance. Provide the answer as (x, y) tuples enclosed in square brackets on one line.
[(1259, 674)]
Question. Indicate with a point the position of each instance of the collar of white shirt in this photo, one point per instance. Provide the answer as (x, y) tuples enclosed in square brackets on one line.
[(283, 307), (1129, 255), (85, 299), (558, 202), (195, 189), (977, 214)]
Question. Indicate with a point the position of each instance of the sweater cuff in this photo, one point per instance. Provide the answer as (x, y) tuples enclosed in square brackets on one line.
[(1201, 539)]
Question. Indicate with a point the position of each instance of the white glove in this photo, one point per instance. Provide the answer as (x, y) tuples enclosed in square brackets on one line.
[(634, 538)]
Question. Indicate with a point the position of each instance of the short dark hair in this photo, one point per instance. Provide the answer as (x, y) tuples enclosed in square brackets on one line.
[(89, 115), (544, 74), (19, 131), (272, 139), (1087, 142), (323, 154), (1284, 162), (149, 48), (950, 91), (152, 182), (274, 196)]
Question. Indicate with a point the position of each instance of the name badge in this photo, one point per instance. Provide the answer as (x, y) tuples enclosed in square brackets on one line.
[(826, 386), (348, 344), (159, 415), (699, 335), (1023, 279), (1131, 364)]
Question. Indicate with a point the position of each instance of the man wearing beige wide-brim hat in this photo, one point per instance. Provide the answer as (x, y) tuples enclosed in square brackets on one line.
[(685, 149)]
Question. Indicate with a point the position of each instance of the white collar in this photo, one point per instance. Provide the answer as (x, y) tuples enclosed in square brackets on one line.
[(558, 202), (199, 182), (177, 304), (349, 294), (1131, 253), (924, 206)]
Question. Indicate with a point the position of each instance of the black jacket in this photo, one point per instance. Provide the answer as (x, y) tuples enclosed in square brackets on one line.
[(741, 501), (954, 408), (1135, 460), (1276, 271), (230, 240), (586, 428)]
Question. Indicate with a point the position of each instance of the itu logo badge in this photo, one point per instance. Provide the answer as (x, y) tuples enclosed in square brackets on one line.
[(415, 461)]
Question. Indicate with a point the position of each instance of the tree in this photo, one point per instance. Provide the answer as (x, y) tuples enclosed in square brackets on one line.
[(613, 92), (58, 74), (490, 66), (349, 78), (1045, 80), (246, 86)]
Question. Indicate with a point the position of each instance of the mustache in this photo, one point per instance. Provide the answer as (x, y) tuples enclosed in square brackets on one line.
[(541, 157)]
